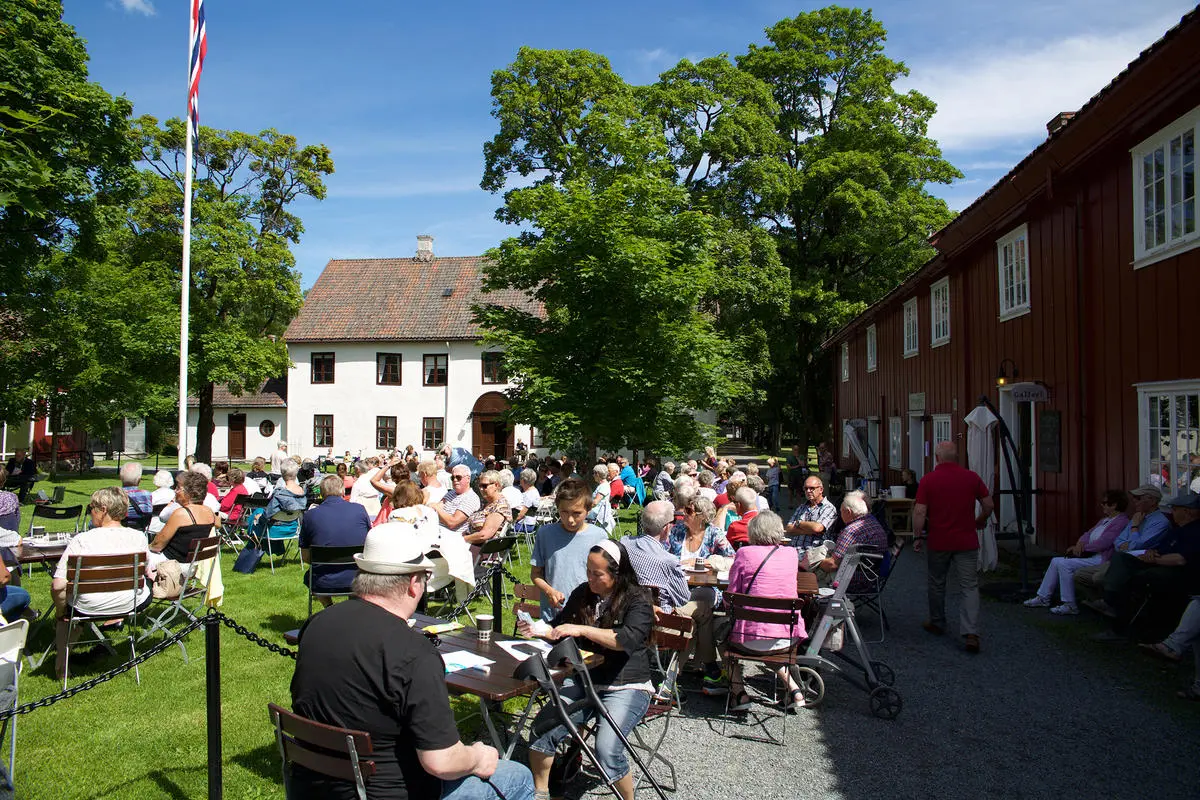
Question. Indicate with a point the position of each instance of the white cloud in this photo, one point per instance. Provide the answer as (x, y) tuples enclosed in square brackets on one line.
[(140, 6), (992, 97)]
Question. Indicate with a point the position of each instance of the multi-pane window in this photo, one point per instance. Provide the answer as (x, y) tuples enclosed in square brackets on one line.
[(385, 433), (895, 443), (435, 369), (432, 432), (845, 361), (322, 367), (912, 334), (1012, 263), (1164, 181), (387, 369), (322, 430), (493, 368), (1169, 425), (941, 428), (537, 437), (872, 349), (939, 316)]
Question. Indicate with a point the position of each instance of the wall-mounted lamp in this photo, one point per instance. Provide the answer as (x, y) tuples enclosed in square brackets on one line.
[(1002, 378)]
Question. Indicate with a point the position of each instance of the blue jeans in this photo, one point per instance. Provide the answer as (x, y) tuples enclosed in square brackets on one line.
[(626, 706), (13, 600), (512, 779)]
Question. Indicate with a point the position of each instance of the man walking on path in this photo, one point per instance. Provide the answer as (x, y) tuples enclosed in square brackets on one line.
[(946, 500)]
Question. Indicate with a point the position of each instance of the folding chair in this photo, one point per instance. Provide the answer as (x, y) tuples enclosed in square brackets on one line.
[(328, 557), (671, 634), (12, 645), (96, 573), (277, 521), (877, 574), (192, 590), (63, 514), (776, 610), (334, 752), (58, 495), (236, 533)]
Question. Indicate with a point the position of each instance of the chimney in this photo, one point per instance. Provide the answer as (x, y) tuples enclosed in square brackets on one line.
[(424, 248), (1059, 122)]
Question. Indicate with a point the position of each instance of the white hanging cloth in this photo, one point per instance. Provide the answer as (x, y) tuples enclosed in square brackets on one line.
[(981, 457)]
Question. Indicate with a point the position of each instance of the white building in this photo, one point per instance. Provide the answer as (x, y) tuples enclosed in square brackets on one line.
[(385, 355), (252, 424)]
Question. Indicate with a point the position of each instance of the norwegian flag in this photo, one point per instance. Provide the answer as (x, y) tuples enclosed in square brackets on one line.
[(199, 47)]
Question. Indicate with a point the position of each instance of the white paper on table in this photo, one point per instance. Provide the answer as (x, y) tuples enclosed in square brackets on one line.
[(461, 659), (1136, 552), (520, 655)]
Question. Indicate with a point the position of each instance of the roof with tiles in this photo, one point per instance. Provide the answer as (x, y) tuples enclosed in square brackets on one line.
[(396, 299), (272, 394)]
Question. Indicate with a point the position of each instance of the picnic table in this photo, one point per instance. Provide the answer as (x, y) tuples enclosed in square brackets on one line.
[(492, 687)]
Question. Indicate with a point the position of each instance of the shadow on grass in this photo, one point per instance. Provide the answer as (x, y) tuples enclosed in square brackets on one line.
[(161, 777), (263, 761), (282, 623)]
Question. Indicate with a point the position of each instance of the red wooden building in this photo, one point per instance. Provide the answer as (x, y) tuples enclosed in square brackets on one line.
[(1077, 274)]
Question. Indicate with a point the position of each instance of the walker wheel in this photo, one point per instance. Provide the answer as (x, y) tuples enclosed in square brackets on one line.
[(883, 673), (885, 702), (812, 685)]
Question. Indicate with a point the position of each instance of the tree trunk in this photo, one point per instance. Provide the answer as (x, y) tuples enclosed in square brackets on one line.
[(204, 425)]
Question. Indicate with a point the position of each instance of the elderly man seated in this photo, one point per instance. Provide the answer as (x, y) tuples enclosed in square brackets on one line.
[(22, 472), (861, 529), (336, 522), (745, 502), (454, 510), (1145, 526), (1165, 570), (815, 516), (141, 504)]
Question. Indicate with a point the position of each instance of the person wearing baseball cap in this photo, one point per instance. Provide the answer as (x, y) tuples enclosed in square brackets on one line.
[(361, 665), (1166, 569)]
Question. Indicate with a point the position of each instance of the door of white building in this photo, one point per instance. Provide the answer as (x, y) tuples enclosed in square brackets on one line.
[(1019, 415)]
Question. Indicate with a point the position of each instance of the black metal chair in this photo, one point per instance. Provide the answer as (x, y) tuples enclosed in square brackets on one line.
[(64, 514), (328, 557)]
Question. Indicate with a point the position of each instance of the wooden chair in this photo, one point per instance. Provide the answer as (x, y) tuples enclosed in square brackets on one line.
[(192, 590), (328, 557), (334, 752), (774, 610), (671, 635), (87, 574)]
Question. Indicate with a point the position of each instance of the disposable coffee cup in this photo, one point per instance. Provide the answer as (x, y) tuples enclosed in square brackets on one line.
[(701, 564), (484, 624)]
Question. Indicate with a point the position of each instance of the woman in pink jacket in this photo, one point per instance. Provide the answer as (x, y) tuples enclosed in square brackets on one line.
[(1094, 547), (765, 568)]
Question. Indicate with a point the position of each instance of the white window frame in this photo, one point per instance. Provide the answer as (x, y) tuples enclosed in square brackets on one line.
[(939, 313), (912, 328), (1011, 269), (872, 348), (845, 362), (942, 424), (895, 443), (1174, 200), (1179, 473)]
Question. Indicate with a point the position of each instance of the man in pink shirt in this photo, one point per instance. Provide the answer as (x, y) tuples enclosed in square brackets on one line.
[(946, 500)]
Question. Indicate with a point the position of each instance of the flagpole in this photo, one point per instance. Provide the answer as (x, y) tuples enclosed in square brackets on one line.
[(185, 283)]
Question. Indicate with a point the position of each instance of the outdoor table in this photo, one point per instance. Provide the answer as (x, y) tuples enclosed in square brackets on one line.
[(47, 556), (899, 514), (493, 687)]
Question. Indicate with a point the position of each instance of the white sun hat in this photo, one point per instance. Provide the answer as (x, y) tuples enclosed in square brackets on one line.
[(395, 551)]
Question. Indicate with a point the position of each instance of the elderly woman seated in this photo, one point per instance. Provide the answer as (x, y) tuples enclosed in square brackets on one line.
[(697, 537), (485, 523), (765, 568), (861, 529), (601, 514), (191, 520)]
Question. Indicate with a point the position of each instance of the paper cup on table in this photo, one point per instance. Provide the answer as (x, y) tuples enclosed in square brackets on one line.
[(897, 492), (484, 624)]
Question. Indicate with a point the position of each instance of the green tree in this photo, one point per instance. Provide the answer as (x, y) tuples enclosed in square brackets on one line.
[(844, 196), (244, 287), (621, 258)]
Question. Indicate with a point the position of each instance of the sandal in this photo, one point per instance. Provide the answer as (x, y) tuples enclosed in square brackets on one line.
[(1189, 693), (741, 702), (795, 702), (1161, 650)]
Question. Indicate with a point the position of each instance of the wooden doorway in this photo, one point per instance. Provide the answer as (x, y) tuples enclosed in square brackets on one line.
[(237, 437), (491, 434)]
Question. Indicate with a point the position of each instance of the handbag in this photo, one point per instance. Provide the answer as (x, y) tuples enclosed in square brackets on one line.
[(248, 559)]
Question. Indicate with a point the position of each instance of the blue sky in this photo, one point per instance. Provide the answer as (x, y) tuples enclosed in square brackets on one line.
[(400, 90)]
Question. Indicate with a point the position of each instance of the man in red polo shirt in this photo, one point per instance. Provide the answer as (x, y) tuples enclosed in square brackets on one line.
[(946, 500), (745, 500)]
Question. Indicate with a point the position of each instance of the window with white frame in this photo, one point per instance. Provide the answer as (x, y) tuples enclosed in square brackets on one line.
[(912, 340), (845, 361), (895, 443), (939, 314), (1164, 190), (1012, 265), (1169, 431), (941, 428), (872, 349)]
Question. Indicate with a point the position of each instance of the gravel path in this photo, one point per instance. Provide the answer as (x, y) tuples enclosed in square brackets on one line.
[(1035, 715)]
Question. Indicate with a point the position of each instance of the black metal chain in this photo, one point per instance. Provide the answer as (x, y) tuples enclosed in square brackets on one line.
[(482, 586), (245, 633), (92, 683)]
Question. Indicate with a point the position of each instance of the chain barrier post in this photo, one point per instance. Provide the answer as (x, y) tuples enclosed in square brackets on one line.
[(212, 690), (498, 598)]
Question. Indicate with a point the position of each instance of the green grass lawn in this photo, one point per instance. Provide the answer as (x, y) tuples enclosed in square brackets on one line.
[(122, 740)]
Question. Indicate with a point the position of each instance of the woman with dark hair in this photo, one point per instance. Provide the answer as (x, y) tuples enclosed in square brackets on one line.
[(1093, 548), (610, 615)]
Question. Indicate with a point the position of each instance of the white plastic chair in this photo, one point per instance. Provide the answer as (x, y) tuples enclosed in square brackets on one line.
[(12, 645)]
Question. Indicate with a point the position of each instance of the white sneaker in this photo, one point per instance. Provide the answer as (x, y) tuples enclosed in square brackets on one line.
[(1066, 609), (1037, 601)]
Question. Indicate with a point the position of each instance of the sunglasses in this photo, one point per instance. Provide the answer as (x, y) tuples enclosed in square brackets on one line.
[(459, 477)]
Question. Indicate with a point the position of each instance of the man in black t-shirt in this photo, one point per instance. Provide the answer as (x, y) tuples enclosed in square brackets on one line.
[(361, 666)]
